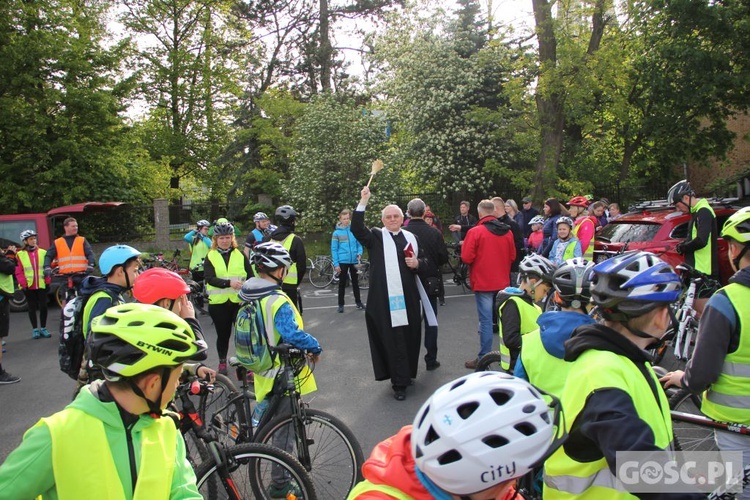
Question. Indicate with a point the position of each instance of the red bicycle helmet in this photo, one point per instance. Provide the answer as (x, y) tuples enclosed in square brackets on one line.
[(578, 201), (158, 283)]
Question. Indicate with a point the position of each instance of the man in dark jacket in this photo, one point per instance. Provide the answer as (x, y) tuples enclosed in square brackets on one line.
[(503, 217), (436, 254), (463, 222), (490, 251), (529, 212), (286, 218), (7, 287)]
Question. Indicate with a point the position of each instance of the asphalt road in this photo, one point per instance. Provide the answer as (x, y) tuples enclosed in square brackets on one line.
[(346, 386)]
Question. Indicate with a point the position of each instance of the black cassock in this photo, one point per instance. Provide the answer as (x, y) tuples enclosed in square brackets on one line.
[(394, 351)]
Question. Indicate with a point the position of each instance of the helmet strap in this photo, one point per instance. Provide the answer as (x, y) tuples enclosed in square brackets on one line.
[(641, 334), (154, 407), (742, 253)]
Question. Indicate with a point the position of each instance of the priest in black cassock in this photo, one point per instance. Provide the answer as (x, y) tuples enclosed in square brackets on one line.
[(394, 311)]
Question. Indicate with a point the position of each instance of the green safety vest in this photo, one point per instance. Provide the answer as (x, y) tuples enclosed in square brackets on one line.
[(528, 313), (291, 276), (6, 284), (728, 399), (544, 370), (198, 252), (366, 486), (84, 467), (305, 381), (570, 249), (28, 270), (90, 302), (565, 477), (703, 256), (235, 270), (589, 253)]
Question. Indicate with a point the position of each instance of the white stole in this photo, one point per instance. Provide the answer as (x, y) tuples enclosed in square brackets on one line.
[(396, 299)]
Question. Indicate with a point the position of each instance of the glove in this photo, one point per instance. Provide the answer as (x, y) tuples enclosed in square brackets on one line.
[(680, 248), (47, 273), (89, 269)]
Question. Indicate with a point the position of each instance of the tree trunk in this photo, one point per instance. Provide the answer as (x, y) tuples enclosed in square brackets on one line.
[(325, 51)]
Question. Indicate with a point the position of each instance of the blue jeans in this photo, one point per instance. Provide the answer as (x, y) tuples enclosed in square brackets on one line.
[(485, 300)]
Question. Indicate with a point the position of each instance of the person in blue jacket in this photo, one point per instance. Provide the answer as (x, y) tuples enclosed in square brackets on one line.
[(346, 253)]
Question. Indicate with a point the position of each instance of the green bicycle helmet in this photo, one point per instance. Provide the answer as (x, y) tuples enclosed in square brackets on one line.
[(130, 339), (737, 228)]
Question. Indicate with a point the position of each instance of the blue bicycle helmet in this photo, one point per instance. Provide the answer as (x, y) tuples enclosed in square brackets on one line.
[(632, 284), (116, 255)]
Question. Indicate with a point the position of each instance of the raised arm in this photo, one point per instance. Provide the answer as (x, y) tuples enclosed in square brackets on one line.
[(363, 235)]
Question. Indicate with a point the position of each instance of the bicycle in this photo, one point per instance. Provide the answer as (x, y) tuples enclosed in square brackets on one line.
[(320, 273), (68, 286), (459, 269), (321, 442), (683, 333), (239, 472), (172, 264)]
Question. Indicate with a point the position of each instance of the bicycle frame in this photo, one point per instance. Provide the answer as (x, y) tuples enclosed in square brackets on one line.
[(685, 314)]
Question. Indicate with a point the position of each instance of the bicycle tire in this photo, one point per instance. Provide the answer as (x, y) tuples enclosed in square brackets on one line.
[(335, 453), (321, 275), (230, 422), (687, 436), (490, 362), (195, 449), (250, 467), (61, 294)]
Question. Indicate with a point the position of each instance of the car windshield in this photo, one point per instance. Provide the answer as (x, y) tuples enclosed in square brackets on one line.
[(625, 232)]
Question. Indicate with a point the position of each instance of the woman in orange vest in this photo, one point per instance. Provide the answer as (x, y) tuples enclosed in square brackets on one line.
[(30, 277)]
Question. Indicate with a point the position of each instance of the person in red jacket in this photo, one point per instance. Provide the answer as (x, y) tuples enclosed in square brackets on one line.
[(489, 250), (450, 453)]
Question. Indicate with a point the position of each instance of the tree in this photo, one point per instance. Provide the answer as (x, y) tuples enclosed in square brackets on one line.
[(61, 137)]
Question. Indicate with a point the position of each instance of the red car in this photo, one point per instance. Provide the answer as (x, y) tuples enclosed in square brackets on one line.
[(656, 227)]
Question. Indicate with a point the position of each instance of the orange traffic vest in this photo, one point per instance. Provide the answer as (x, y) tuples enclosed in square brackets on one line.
[(71, 260)]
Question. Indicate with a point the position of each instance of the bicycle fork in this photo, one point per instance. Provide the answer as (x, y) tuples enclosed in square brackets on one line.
[(683, 339)]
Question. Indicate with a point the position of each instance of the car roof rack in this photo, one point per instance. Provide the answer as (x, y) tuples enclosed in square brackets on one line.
[(642, 206)]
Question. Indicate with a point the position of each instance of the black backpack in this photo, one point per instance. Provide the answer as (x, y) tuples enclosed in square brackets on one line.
[(72, 344)]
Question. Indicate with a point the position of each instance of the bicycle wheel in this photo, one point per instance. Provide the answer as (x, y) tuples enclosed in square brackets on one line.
[(60, 294), (321, 275), (335, 453), (195, 449), (251, 469), (687, 436), (363, 274), (490, 362), (230, 422)]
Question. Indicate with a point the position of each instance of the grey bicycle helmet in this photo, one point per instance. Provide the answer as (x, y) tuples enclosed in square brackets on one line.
[(270, 255), (632, 284), (537, 266), (679, 190), (27, 233), (572, 281), (285, 213), (259, 216), (202, 223), (537, 219), (223, 228)]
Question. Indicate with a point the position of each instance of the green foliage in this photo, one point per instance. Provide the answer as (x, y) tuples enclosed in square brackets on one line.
[(335, 146)]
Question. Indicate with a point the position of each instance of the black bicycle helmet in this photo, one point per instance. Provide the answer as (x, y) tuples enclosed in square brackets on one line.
[(679, 190), (572, 281), (632, 284), (223, 228), (270, 255), (285, 213)]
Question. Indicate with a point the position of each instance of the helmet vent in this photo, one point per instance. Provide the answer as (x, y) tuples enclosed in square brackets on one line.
[(464, 411), (529, 409), (424, 415), (495, 441), (431, 436), (131, 359), (500, 397), (545, 416), (136, 323), (458, 384), (525, 428), (418, 453), (174, 345), (449, 457)]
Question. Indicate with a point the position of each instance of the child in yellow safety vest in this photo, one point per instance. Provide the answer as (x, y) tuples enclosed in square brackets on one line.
[(566, 246), (111, 441)]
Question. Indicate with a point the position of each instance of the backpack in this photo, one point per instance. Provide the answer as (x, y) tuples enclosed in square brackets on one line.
[(72, 345), (251, 339)]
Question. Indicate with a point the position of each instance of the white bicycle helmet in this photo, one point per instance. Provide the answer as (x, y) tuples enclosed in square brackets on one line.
[(632, 284), (537, 219), (537, 266), (27, 233), (565, 220), (482, 429), (202, 223), (259, 216), (270, 255)]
